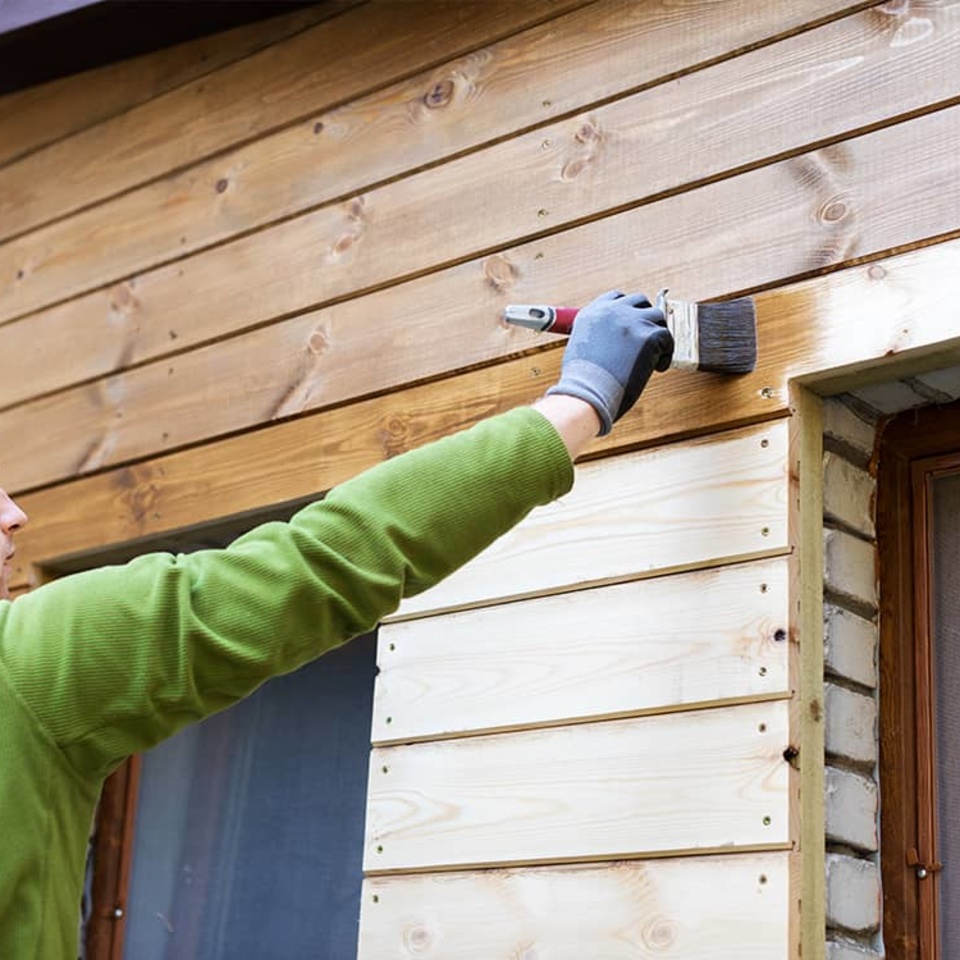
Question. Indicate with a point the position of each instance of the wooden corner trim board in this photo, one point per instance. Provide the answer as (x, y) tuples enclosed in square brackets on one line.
[(607, 50), (806, 669), (866, 322)]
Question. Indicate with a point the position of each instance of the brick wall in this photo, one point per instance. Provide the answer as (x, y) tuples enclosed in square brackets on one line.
[(851, 642), (850, 663)]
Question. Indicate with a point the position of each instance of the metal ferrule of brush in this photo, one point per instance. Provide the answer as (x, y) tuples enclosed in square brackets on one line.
[(683, 323)]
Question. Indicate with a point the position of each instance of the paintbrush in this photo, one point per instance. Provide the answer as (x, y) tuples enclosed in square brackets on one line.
[(716, 337)]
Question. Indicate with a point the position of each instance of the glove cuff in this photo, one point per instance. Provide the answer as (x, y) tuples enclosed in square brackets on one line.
[(592, 383)]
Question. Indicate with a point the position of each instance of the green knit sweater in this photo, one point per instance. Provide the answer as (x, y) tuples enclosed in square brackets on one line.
[(103, 664)]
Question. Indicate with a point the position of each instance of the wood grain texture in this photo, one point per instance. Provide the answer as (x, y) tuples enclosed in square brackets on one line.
[(795, 217), (697, 908), (878, 320), (675, 507), (667, 643), (697, 781), (485, 96), (264, 92), (39, 115), (806, 668)]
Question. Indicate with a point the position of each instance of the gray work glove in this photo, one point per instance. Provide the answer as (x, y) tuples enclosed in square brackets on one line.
[(617, 343)]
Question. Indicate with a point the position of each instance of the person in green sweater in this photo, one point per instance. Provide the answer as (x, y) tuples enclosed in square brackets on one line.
[(103, 664)]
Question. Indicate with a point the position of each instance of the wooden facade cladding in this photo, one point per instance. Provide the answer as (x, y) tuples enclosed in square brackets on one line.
[(267, 261), (516, 664), (684, 907), (642, 720)]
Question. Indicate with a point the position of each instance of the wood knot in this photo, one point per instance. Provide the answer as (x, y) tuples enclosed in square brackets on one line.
[(417, 939), (319, 342), (833, 211), (356, 208), (439, 95), (588, 140), (394, 434), (660, 933), (573, 168), (222, 185), (588, 132), (499, 272), (344, 242), (122, 298), (138, 494)]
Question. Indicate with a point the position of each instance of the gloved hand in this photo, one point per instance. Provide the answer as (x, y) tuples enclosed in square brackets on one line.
[(617, 343)]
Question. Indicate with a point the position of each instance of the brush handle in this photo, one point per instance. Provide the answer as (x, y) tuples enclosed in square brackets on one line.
[(563, 320), (678, 317)]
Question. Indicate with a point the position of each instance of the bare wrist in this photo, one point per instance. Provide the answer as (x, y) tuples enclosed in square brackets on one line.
[(574, 419)]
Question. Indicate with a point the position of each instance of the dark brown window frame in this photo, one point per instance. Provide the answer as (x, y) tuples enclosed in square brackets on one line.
[(112, 856), (914, 448)]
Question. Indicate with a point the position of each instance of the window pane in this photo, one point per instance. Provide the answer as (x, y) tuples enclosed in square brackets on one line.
[(946, 643), (249, 830)]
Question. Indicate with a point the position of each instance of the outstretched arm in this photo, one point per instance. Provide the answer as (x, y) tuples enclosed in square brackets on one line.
[(114, 660)]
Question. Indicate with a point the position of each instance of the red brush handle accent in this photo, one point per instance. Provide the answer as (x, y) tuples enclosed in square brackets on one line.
[(564, 321)]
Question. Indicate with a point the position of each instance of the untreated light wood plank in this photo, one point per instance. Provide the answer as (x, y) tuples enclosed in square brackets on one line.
[(795, 217), (39, 115), (655, 645), (698, 908), (691, 782), (525, 80), (676, 507), (332, 62)]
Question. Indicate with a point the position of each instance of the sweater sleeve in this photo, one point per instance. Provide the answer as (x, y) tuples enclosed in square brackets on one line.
[(114, 660)]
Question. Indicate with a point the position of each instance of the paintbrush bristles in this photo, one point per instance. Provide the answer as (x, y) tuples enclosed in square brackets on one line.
[(728, 336)]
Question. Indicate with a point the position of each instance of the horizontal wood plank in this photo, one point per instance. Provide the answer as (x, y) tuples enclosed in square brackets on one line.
[(794, 217), (333, 62), (884, 319), (690, 782), (697, 908), (522, 82), (39, 115), (675, 507), (661, 644)]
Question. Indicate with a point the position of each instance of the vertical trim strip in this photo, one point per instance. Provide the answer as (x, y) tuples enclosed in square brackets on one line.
[(806, 511)]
